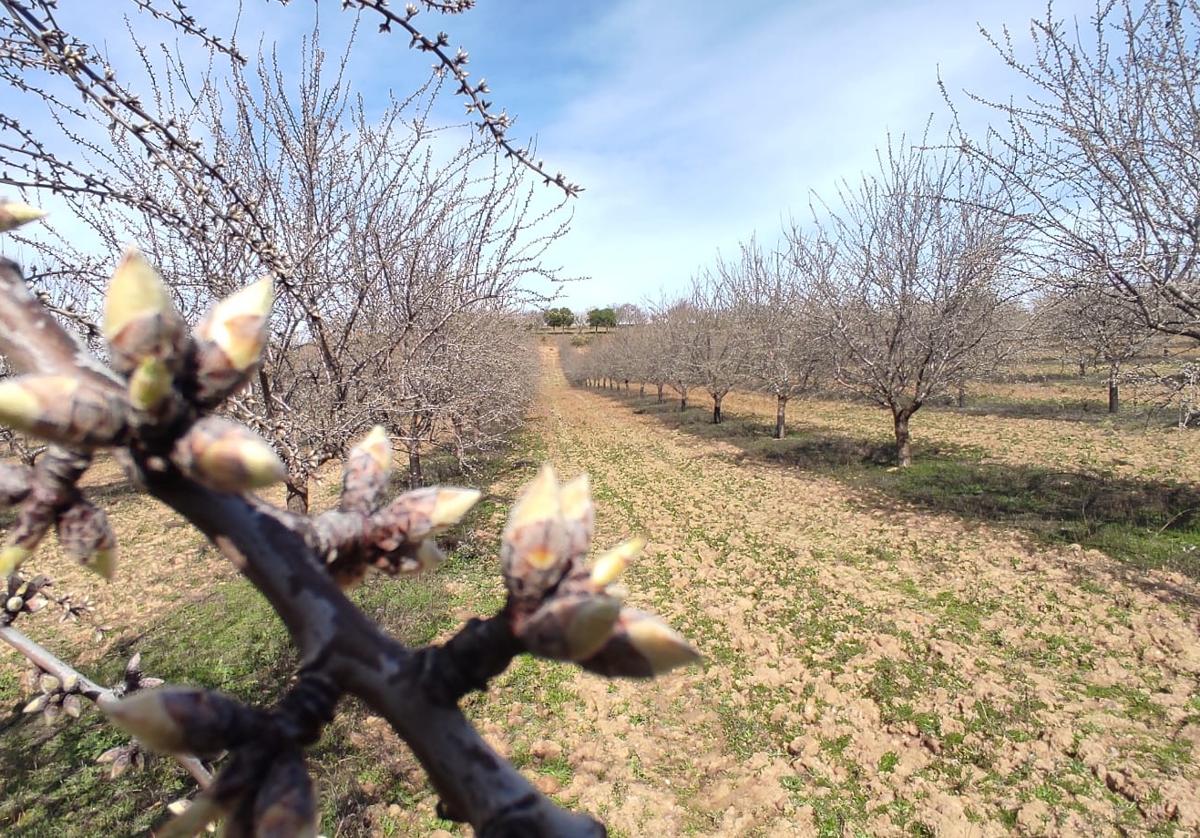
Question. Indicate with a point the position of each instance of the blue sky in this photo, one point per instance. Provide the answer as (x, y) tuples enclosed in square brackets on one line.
[(691, 123)]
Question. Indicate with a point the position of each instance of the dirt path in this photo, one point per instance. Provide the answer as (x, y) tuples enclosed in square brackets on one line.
[(867, 672)]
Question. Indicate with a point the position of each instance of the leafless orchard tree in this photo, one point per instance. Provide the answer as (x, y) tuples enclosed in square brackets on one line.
[(1097, 331), (396, 241), (679, 325), (1103, 159), (913, 265), (772, 305), (719, 343)]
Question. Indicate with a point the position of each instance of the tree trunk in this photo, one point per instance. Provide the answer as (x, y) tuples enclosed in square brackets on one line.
[(780, 416), (1114, 396), (414, 466), (297, 496), (642, 389), (903, 441), (960, 397), (627, 385), (683, 402), (660, 394), (717, 409), (1082, 368)]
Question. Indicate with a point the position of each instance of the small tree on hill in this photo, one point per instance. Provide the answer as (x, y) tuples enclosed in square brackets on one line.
[(559, 318), (602, 318)]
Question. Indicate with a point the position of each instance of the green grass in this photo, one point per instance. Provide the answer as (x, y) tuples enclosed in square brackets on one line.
[(1144, 523)]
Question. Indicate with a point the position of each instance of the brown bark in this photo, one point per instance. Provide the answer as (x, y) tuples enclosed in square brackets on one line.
[(415, 477), (297, 496), (780, 416), (717, 409), (1114, 394), (903, 440)]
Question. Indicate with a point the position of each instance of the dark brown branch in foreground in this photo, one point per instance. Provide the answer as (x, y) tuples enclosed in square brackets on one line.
[(336, 639)]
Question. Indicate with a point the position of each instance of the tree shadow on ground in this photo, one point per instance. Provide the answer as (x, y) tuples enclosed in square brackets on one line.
[(1143, 524), (1085, 411)]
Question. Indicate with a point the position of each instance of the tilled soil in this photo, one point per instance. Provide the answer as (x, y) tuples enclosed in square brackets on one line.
[(866, 671)]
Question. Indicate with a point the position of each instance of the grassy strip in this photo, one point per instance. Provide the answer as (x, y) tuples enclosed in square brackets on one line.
[(1146, 524)]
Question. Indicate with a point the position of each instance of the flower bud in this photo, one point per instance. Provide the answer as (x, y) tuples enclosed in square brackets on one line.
[(399, 536), (640, 646), (13, 215), (86, 536), (227, 457), (149, 384), (450, 505), (51, 712), (230, 341), (182, 721), (368, 469), (578, 514), (73, 706), (140, 320), (535, 542), (612, 563), (14, 604), (64, 409), (570, 626), (48, 683)]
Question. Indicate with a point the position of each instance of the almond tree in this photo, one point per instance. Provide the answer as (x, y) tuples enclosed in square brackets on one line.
[(719, 345), (1102, 160), (1098, 330), (153, 407), (679, 325), (772, 303), (920, 270)]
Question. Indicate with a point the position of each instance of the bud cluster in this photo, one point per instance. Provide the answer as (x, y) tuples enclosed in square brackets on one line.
[(24, 596), (562, 609), (134, 679), (170, 380), (122, 758), (397, 539), (264, 787), (56, 698)]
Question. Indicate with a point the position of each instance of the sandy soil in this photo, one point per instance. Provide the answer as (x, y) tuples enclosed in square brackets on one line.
[(866, 672)]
